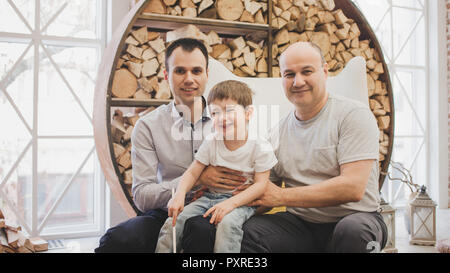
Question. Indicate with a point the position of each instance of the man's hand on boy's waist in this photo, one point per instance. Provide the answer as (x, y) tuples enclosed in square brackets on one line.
[(221, 178)]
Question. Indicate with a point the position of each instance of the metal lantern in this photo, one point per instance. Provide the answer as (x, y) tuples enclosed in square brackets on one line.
[(422, 219), (388, 213)]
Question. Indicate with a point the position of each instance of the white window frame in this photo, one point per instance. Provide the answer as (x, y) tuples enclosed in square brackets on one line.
[(36, 38), (438, 116)]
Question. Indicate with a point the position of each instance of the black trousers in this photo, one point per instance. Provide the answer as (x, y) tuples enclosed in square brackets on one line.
[(140, 235), (284, 232)]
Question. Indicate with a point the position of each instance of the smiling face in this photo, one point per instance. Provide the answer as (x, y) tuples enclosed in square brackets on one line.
[(187, 75), (230, 118), (304, 76)]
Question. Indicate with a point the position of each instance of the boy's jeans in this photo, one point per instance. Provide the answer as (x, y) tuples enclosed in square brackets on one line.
[(228, 232)]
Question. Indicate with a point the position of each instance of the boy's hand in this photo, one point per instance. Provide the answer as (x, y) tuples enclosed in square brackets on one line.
[(219, 211), (175, 207)]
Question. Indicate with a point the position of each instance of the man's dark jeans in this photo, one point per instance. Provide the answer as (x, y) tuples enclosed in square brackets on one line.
[(140, 235)]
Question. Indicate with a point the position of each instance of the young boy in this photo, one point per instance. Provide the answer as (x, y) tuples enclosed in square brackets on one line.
[(229, 146)]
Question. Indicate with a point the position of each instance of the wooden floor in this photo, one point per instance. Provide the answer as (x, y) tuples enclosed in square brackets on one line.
[(87, 245)]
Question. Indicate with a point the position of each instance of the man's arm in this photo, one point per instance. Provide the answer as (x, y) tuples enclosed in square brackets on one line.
[(147, 193), (349, 186)]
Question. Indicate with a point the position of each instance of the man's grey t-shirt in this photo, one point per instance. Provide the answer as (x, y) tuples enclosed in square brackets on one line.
[(310, 152)]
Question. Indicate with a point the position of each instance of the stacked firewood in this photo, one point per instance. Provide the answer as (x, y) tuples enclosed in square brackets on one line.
[(231, 10), (339, 38), (12, 239), (121, 128), (140, 69)]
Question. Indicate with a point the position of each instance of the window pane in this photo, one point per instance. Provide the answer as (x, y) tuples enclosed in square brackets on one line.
[(409, 98), (411, 152), (9, 55), (19, 85), (409, 30), (27, 9), (12, 143), (10, 20), (59, 111), (58, 161), (18, 189), (74, 18), (79, 67), (407, 3)]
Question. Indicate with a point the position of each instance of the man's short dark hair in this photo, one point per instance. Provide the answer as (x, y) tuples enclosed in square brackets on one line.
[(187, 44)]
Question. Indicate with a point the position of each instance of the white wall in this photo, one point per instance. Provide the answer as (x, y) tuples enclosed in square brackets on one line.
[(438, 125), (117, 9)]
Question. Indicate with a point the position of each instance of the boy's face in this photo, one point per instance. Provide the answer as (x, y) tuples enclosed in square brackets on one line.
[(230, 119)]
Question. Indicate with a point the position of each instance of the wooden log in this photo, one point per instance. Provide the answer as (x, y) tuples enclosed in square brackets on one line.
[(213, 38), (186, 4), (210, 13), (190, 12), (125, 160), (128, 177), (158, 45), (163, 92), (148, 54), (284, 4), (169, 2), (328, 4), (141, 94), (259, 18), (238, 62), (153, 35), (12, 237), (221, 51), (252, 7), (238, 43), (204, 5), (247, 17), (135, 51), (39, 244), (188, 31), (141, 35), (124, 84), (322, 39), (134, 68), (340, 17), (282, 37), (261, 65), (127, 136), (131, 41), (247, 70), (250, 61), (229, 9), (383, 122), (155, 6)]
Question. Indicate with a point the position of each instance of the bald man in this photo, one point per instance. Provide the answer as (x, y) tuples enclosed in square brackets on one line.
[(327, 150)]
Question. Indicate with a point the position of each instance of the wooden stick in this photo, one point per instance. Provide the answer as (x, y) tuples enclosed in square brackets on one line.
[(174, 231)]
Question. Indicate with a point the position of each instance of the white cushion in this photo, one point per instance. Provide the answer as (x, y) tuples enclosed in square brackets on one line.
[(269, 100)]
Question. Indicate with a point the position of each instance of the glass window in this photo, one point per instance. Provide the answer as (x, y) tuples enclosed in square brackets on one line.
[(49, 182), (400, 26)]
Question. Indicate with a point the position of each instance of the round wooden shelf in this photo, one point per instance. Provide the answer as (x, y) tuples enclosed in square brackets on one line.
[(116, 55)]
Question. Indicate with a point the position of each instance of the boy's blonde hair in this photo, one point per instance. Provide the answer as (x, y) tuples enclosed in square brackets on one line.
[(231, 89)]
